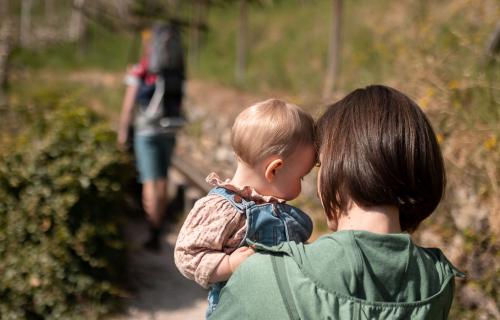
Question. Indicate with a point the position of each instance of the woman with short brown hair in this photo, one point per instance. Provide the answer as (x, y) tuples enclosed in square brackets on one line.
[(381, 174)]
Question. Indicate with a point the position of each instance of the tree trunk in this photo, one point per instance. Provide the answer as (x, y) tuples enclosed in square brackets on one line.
[(333, 62), (173, 7), (76, 22), (198, 18), (25, 32), (241, 44), (122, 9), (493, 46), (194, 35), (49, 11), (5, 48)]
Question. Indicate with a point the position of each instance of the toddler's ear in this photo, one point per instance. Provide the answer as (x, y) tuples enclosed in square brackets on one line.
[(272, 168)]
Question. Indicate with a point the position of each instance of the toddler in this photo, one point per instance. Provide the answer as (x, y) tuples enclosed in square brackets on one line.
[(274, 145)]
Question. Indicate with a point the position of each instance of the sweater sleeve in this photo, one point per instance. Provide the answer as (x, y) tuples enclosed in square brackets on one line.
[(213, 229)]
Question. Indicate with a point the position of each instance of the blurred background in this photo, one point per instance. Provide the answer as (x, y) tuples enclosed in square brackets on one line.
[(65, 191)]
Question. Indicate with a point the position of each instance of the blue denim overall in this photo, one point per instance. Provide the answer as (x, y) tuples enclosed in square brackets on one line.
[(266, 223)]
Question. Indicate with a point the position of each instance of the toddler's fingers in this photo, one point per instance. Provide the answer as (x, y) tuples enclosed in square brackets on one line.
[(242, 249), (248, 251)]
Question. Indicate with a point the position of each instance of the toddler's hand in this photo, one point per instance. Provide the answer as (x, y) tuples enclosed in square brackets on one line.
[(238, 256)]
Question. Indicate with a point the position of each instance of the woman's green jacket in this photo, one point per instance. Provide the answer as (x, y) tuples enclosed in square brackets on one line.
[(344, 275)]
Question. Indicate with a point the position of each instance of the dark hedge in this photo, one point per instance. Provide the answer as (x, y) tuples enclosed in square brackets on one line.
[(62, 253)]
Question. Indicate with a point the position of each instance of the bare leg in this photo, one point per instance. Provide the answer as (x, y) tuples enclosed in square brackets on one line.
[(154, 198)]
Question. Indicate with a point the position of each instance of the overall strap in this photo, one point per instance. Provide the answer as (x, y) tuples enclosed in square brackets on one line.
[(284, 286), (236, 200)]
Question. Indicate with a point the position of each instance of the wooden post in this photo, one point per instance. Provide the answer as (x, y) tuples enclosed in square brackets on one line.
[(5, 48), (333, 62), (493, 46), (25, 32), (76, 22), (193, 35), (49, 11), (241, 44), (199, 10)]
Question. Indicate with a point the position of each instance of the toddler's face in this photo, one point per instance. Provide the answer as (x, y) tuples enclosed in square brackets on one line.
[(296, 166)]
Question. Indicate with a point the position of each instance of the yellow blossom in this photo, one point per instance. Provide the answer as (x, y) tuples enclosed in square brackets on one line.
[(424, 101), (440, 138), (490, 143), (453, 84)]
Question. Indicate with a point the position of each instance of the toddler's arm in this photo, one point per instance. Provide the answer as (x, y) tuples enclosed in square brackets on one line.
[(230, 263), (212, 229)]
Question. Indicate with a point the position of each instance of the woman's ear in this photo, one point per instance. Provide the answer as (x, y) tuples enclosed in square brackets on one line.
[(272, 168)]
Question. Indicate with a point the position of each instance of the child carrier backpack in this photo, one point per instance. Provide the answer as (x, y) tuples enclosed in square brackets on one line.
[(164, 97), (166, 50)]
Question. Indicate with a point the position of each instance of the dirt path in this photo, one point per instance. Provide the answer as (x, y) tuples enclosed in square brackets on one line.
[(161, 292)]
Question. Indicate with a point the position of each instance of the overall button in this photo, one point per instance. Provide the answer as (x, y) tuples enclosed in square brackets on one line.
[(237, 198)]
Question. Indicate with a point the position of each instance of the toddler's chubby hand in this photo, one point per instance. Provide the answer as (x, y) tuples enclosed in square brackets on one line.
[(238, 256)]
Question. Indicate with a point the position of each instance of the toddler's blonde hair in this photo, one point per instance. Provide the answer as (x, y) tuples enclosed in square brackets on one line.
[(271, 127)]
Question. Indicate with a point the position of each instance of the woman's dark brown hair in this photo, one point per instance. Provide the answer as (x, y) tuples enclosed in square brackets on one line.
[(378, 148)]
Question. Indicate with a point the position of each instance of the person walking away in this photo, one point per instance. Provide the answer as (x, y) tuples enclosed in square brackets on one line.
[(153, 101)]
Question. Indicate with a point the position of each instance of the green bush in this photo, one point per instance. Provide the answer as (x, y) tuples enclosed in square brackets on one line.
[(61, 210)]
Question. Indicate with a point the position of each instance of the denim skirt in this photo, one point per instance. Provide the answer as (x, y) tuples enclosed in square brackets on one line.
[(153, 155)]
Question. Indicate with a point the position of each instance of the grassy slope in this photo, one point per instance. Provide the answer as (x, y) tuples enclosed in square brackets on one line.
[(381, 40)]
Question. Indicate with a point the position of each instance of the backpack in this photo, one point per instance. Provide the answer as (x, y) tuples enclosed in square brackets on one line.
[(161, 101), (166, 50), (163, 110)]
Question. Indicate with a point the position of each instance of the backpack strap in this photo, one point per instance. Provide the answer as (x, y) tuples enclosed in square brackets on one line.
[(284, 286), (158, 96)]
